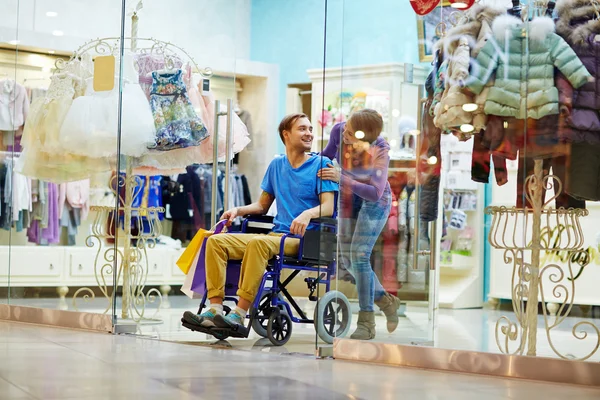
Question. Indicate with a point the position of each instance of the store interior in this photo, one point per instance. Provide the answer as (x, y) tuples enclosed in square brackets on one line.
[(265, 59)]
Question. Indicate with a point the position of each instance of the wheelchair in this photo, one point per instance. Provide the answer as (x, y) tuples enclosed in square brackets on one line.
[(274, 309)]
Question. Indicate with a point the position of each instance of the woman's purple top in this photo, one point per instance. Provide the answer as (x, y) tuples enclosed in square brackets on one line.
[(367, 181)]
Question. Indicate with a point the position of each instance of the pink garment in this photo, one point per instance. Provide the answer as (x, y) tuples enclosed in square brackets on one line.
[(151, 171), (147, 63), (162, 161), (77, 195)]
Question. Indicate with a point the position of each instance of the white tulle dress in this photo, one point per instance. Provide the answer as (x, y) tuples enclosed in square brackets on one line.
[(91, 125)]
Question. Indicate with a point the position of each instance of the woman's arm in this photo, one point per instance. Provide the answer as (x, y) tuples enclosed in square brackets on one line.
[(332, 148), (373, 190)]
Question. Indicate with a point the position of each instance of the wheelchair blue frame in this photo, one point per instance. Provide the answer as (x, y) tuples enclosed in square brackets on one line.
[(277, 265)]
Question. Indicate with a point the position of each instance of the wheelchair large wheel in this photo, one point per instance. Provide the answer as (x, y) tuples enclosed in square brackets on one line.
[(333, 316), (260, 317), (279, 327)]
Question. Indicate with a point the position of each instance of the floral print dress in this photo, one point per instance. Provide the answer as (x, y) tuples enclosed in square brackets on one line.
[(177, 124)]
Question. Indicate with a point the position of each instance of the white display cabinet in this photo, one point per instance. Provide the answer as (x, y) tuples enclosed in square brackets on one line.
[(462, 249)]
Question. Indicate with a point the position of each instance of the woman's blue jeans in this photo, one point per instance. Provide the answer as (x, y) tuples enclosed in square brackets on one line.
[(358, 236)]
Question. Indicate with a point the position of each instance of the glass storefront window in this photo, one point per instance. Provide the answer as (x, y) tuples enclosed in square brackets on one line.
[(460, 137)]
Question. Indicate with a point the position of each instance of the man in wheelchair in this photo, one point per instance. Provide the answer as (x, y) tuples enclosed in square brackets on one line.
[(291, 179)]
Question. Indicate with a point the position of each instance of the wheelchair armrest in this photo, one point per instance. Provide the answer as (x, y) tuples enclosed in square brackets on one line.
[(257, 224), (259, 218), (324, 221)]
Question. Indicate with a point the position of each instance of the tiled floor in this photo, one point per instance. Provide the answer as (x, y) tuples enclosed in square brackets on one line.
[(48, 363)]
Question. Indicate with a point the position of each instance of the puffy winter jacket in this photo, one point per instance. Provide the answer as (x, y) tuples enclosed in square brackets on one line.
[(524, 65), (578, 26), (463, 43)]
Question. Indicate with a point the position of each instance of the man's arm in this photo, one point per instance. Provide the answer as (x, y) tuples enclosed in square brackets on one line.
[(259, 207), (325, 209)]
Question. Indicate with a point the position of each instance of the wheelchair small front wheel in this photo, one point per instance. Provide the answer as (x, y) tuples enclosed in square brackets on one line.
[(279, 327), (260, 317), (333, 316)]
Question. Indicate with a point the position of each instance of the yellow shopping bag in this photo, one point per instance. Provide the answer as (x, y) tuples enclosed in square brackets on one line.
[(191, 251)]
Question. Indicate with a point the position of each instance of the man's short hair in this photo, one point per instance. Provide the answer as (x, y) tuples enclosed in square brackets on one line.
[(288, 122), (369, 122)]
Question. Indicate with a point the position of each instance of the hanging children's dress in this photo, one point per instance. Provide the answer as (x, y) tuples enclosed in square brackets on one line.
[(91, 125), (42, 156), (148, 63), (177, 125)]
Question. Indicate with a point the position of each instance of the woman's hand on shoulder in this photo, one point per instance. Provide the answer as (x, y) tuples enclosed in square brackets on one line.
[(331, 173)]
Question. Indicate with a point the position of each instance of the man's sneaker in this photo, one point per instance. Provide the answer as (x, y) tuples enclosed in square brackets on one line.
[(233, 320), (206, 319)]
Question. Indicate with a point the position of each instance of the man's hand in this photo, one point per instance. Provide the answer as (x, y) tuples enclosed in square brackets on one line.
[(230, 215), (300, 224), (329, 174)]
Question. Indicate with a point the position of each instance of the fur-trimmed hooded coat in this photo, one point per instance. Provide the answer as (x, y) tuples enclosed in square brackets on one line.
[(578, 26), (524, 65), (462, 43)]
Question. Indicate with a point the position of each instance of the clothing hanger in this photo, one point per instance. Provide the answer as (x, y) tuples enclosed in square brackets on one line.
[(516, 8)]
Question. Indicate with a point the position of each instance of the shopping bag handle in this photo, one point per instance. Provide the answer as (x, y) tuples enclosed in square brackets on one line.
[(218, 228)]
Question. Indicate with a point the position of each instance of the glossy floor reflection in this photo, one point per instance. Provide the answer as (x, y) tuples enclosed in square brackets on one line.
[(50, 363), (473, 329)]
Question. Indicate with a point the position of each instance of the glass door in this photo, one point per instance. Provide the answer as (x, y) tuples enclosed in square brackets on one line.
[(376, 128)]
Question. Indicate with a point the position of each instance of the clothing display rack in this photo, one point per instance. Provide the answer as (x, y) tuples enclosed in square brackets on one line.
[(128, 267), (532, 282)]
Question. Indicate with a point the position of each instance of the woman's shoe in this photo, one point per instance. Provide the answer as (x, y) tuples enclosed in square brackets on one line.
[(389, 305), (365, 327)]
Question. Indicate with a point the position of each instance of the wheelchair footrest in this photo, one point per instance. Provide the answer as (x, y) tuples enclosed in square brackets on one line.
[(196, 327), (237, 332)]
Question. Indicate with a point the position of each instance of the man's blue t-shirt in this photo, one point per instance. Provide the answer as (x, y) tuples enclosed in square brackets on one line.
[(295, 189)]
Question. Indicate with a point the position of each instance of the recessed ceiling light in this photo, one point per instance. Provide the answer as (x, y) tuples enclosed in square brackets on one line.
[(466, 128), (57, 33), (51, 52), (51, 14), (459, 5), (14, 42), (359, 134), (470, 107)]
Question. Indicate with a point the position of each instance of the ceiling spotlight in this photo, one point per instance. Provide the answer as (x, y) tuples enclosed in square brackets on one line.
[(466, 128), (14, 42), (51, 14), (461, 4), (432, 160), (469, 107), (359, 134), (58, 33), (51, 52)]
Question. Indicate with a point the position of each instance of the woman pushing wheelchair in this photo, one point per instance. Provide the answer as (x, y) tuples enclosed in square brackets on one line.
[(366, 201)]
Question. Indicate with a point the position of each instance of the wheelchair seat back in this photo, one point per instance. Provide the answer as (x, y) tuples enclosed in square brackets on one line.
[(320, 245)]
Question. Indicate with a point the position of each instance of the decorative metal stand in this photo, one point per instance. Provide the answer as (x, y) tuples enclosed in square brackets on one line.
[(524, 234), (132, 261)]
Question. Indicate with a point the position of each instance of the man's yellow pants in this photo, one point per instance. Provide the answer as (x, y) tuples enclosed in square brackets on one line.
[(254, 250)]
